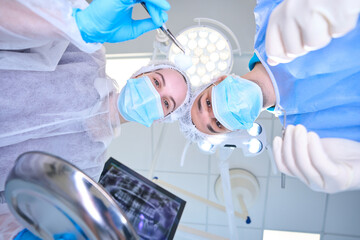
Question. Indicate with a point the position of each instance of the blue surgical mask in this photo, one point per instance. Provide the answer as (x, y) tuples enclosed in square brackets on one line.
[(140, 102), (236, 102)]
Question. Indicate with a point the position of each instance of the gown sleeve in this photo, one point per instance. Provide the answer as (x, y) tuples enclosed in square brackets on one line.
[(35, 33)]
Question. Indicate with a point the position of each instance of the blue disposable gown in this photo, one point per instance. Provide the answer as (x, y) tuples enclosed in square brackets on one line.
[(321, 89)]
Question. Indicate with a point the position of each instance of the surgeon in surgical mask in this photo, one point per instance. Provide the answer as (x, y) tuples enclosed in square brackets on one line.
[(76, 117), (315, 95), (55, 95), (154, 93)]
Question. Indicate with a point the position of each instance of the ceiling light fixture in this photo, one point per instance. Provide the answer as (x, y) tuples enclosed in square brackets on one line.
[(210, 51)]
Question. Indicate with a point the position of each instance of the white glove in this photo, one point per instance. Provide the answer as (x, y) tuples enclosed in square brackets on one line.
[(298, 26), (328, 165)]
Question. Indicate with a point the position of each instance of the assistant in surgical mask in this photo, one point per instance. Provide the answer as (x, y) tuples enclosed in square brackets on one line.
[(236, 102), (140, 102)]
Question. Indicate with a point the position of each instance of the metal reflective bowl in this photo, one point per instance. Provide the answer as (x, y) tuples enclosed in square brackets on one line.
[(50, 196)]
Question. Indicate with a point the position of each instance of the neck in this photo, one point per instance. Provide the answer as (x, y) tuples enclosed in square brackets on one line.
[(113, 99), (122, 120), (260, 76)]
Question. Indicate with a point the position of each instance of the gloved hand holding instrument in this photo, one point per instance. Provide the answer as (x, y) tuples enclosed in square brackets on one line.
[(328, 164), (110, 20)]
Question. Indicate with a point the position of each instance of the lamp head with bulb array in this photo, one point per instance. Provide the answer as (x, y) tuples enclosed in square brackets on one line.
[(208, 54)]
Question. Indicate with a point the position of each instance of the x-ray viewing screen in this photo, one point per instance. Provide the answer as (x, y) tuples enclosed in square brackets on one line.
[(153, 211)]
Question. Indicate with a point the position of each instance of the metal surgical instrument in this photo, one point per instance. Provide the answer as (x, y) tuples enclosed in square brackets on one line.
[(168, 33)]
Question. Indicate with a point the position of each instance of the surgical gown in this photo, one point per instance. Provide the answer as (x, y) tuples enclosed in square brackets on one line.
[(54, 97), (320, 90)]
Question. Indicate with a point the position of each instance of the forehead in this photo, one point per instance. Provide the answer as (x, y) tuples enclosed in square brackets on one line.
[(200, 119), (171, 75), (175, 84)]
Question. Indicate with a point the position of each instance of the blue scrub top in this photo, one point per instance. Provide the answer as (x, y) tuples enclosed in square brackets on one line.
[(321, 89)]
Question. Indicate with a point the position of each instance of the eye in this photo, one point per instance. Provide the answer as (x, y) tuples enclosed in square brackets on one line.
[(166, 103), (208, 103), (218, 124), (156, 82)]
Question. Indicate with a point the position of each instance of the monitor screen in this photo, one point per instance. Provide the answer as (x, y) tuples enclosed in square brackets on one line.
[(153, 211)]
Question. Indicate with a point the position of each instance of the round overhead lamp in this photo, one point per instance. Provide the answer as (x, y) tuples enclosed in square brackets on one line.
[(209, 49)]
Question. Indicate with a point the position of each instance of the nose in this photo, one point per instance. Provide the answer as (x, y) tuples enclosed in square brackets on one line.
[(211, 113), (207, 116)]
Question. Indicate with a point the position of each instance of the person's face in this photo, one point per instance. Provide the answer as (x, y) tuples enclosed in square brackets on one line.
[(171, 86), (202, 113)]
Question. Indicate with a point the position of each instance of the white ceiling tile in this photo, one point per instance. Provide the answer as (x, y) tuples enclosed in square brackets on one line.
[(182, 235), (343, 214), (195, 211), (294, 208), (337, 237), (172, 149), (250, 234), (133, 146), (243, 233)]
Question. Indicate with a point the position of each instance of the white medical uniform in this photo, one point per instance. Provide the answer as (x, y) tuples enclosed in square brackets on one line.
[(54, 97)]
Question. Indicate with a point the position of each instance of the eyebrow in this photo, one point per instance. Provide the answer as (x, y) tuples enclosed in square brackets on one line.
[(174, 103), (199, 102), (211, 129), (162, 78)]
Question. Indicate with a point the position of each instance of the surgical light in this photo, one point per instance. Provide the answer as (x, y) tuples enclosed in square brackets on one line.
[(206, 146), (254, 145), (255, 130), (209, 49)]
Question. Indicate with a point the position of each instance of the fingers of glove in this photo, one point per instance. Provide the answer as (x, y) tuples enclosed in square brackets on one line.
[(320, 160), (140, 27), (337, 176), (158, 4), (288, 152), (342, 26), (303, 161), (274, 45), (158, 15), (275, 48), (292, 39), (277, 147), (315, 32)]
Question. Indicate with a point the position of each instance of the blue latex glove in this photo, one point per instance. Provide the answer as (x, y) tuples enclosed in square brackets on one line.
[(27, 235), (110, 20)]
